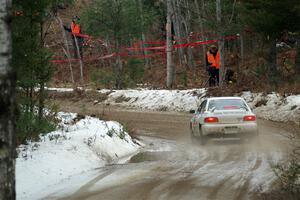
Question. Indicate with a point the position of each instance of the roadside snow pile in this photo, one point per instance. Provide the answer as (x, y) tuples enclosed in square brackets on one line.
[(274, 106), (162, 100), (79, 146), (271, 107)]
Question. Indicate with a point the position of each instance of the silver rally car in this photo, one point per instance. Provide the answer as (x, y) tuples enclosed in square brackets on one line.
[(223, 117)]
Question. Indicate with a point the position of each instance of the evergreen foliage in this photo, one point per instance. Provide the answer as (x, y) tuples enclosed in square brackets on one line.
[(272, 17), (119, 21), (31, 62)]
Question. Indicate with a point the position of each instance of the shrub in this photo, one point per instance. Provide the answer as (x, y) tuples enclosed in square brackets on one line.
[(135, 70), (288, 174), (101, 77), (29, 126)]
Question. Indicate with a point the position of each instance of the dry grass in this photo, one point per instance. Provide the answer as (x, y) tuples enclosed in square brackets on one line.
[(79, 95)]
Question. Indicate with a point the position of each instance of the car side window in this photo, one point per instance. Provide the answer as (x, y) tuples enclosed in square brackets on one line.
[(202, 106), (199, 108)]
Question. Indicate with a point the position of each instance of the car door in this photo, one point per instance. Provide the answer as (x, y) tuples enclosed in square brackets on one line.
[(199, 115)]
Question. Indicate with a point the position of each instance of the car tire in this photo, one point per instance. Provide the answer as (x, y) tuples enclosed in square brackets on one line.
[(191, 129), (192, 136), (202, 138)]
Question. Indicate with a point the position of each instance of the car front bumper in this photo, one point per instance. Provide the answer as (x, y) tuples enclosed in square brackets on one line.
[(229, 129)]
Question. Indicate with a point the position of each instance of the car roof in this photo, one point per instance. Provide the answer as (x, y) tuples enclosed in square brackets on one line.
[(216, 98)]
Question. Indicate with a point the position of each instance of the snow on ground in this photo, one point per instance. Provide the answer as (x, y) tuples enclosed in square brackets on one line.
[(274, 107), (162, 100), (60, 89), (271, 107), (75, 149), (79, 148)]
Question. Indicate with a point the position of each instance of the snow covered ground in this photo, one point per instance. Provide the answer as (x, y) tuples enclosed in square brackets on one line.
[(267, 106), (160, 100), (82, 146), (275, 107), (76, 148)]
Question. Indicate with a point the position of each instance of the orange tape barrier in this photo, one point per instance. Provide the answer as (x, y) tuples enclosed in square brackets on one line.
[(161, 48), (188, 44)]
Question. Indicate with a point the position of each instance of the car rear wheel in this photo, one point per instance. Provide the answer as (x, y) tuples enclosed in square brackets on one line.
[(193, 138), (191, 129), (202, 138)]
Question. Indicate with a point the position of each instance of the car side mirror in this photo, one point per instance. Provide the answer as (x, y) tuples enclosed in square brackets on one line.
[(192, 111)]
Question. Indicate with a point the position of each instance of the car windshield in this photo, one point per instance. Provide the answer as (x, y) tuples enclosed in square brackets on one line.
[(226, 104)]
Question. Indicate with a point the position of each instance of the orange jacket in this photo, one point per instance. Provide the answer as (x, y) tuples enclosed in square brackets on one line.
[(75, 28), (215, 61)]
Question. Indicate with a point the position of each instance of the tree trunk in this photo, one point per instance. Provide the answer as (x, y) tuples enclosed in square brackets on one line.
[(67, 52), (41, 100), (240, 58), (202, 32), (221, 41), (41, 97), (140, 6), (187, 23), (80, 59), (242, 49), (272, 63), (119, 66), (176, 21), (8, 106), (298, 57), (169, 49)]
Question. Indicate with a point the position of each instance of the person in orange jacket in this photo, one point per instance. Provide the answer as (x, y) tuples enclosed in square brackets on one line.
[(75, 28), (213, 65)]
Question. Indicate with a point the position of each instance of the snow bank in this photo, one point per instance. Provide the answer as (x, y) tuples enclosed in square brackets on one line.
[(74, 149), (271, 107), (274, 107), (163, 100)]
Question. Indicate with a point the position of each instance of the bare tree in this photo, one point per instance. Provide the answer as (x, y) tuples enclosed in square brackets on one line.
[(169, 49), (221, 41), (176, 21), (66, 49), (142, 31), (7, 102), (200, 19)]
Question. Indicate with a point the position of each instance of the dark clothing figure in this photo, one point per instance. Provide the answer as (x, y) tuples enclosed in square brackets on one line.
[(213, 76), (229, 76), (213, 65), (75, 29)]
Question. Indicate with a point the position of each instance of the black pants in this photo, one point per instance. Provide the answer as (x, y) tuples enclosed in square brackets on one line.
[(229, 76), (213, 76)]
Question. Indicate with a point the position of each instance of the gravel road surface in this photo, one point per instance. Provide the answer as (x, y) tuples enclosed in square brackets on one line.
[(171, 165)]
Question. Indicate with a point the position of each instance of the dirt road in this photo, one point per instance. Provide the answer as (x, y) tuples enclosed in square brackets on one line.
[(171, 166)]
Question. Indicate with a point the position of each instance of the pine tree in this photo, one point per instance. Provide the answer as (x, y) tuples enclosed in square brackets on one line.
[(119, 21), (270, 18), (31, 60)]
